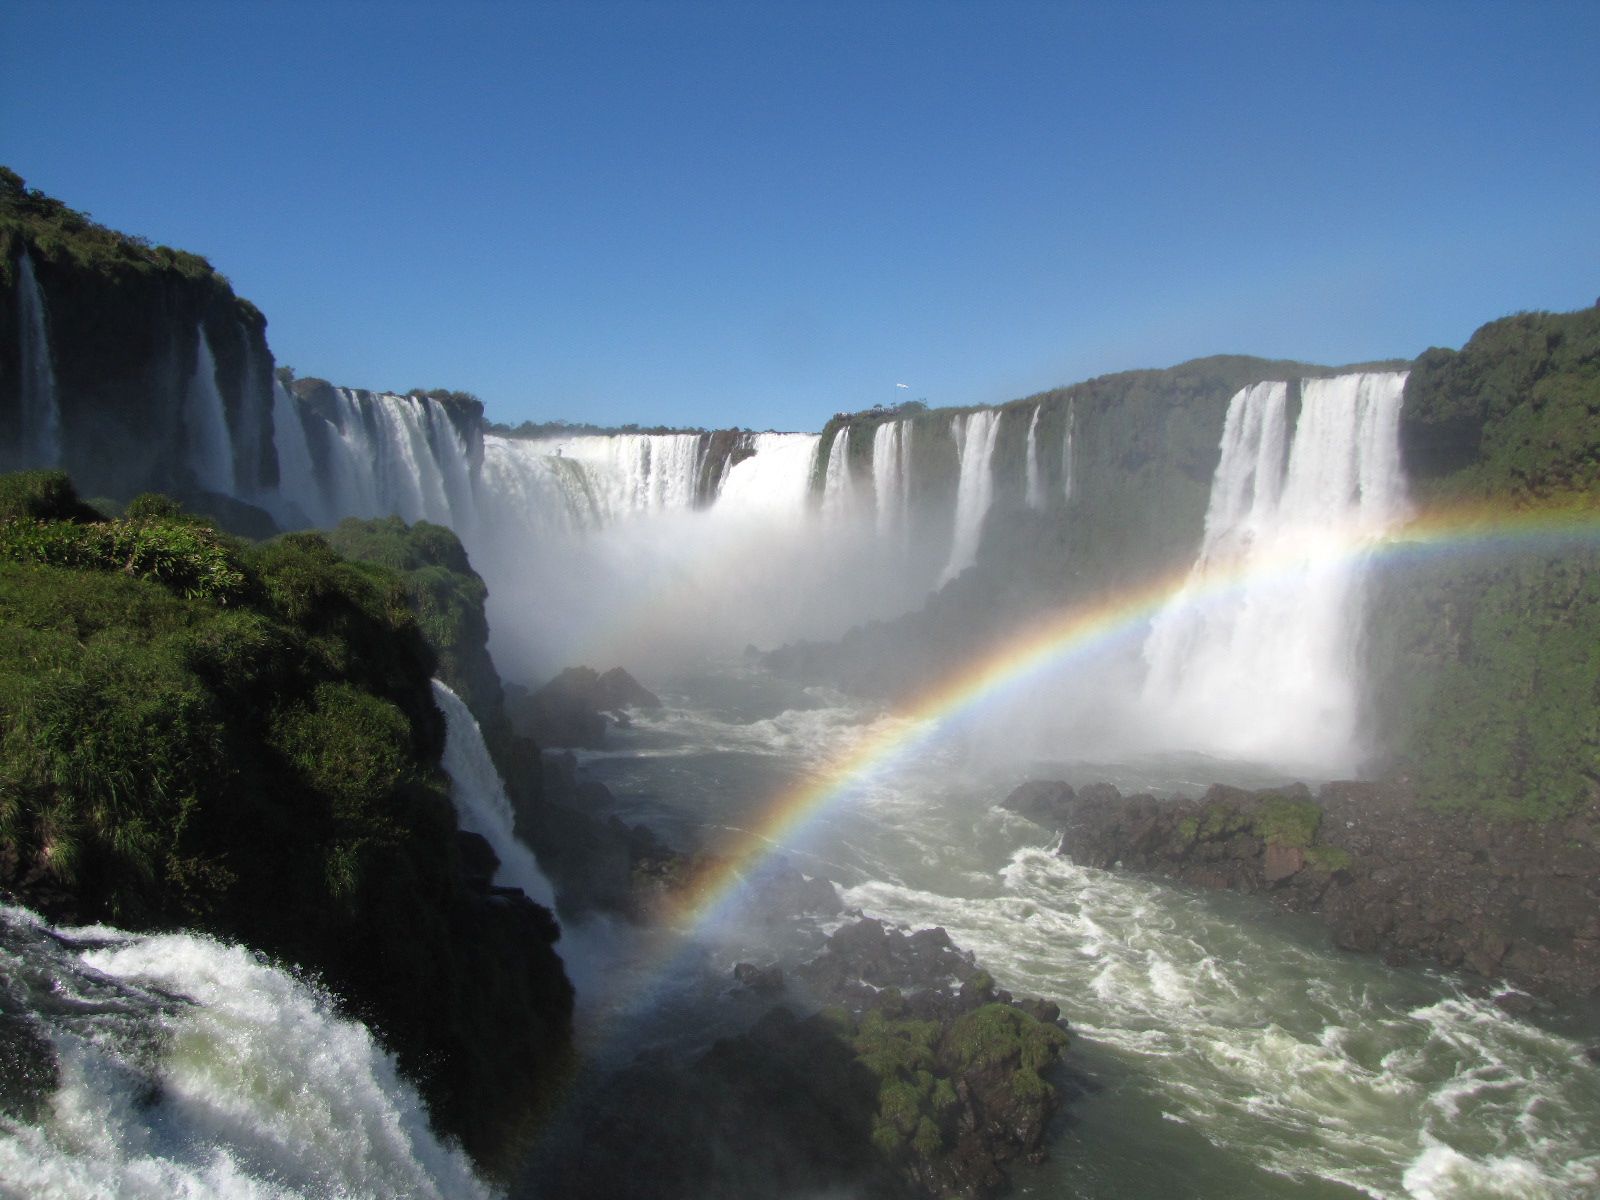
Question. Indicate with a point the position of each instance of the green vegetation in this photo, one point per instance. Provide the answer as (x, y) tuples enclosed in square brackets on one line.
[(1289, 823), (444, 594), (241, 739), (915, 1064), (1514, 416), (1328, 859), (56, 230), (1486, 663)]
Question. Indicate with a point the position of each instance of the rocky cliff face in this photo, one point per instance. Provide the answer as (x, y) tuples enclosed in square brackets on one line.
[(1483, 671), (132, 366), (1506, 900)]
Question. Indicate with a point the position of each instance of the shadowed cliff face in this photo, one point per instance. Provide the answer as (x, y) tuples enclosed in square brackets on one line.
[(146, 346)]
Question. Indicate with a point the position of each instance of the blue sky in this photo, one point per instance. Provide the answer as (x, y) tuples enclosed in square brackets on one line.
[(758, 214)]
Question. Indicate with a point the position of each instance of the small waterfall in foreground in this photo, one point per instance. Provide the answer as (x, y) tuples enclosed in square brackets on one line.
[(975, 435), (41, 417), (209, 449), (1034, 492), (1257, 655), (482, 806), (153, 1067)]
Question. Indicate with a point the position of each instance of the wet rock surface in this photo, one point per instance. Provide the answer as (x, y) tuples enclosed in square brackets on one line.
[(1503, 899), (912, 1076)]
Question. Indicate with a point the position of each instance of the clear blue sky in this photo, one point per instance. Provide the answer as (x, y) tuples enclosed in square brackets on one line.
[(760, 213)]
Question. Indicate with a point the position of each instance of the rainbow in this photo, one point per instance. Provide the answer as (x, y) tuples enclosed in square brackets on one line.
[(1061, 637)]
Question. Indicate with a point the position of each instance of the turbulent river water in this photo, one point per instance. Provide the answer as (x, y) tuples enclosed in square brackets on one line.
[(1233, 1051)]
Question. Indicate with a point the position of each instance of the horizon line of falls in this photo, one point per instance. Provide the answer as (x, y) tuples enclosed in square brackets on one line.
[(41, 415), (150, 1066), (1257, 657)]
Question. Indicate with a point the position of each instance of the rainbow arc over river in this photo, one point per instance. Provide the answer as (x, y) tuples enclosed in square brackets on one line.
[(1061, 637)]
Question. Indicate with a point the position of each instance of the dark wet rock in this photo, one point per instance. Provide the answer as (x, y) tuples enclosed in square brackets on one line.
[(29, 1074), (765, 981), (1512, 900), (1044, 802), (961, 1066), (477, 860), (617, 689), (574, 708), (781, 1110)]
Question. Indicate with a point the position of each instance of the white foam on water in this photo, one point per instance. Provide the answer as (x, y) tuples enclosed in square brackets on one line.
[(241, 1083)]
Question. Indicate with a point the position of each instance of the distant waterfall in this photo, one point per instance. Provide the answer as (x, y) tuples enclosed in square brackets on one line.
[(1268, 666), (1035, 477), (480, 799), (173, 1065), (376, 455), (891, 477), (208, 448), (41, 418), (774, 481), (975, 435), (634, 472), (1066, 452), (839, 497), (299, 491)]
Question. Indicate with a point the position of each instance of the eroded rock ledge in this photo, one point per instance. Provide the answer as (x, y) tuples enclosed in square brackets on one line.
[(1517, 901)]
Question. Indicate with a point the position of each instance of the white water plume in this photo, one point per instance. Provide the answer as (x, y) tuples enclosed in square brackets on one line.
[(975, 435), (891, 478), (1268, 667), (479, 795), (185, 1067), (1066, 452), (839, 498), (205, 422), (41, 417), (1034, 491)]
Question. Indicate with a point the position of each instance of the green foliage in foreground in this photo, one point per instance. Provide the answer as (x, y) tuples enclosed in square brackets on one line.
[(445, 595), (183, 715), (242, 740)]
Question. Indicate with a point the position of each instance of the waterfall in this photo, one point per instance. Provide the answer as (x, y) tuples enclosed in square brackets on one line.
[(482, 806), (300, 495), (1268, 665), (774, 481), (891, 477), (1035, 477), (205, 422), (41, 416), (1066, 452), (975, 435), (839, 497), (174, 1065), (633, 472)]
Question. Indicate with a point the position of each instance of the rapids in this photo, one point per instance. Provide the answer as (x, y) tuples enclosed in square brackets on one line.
[(1234, 1052)]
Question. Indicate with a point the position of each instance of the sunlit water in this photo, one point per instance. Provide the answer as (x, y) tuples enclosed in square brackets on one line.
[(1235, 1052)]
